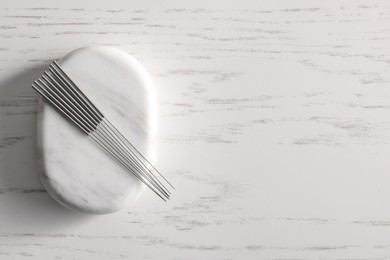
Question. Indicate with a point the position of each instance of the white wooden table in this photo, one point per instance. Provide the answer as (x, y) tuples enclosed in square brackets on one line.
[(274, 125)]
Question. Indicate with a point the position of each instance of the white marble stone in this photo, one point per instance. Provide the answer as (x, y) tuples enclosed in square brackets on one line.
[(75, 170)]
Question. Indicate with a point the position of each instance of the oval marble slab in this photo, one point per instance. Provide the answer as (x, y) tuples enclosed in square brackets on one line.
[(77, 172)]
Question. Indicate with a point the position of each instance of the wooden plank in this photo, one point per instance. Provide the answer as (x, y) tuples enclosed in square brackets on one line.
[(274, 127)]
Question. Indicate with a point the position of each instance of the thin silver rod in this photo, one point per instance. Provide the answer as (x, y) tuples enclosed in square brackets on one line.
[(70, 109), (73, 87), (75, 90), (70, 100)]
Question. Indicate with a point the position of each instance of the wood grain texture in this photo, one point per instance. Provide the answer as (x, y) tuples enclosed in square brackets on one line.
[(274, 126)]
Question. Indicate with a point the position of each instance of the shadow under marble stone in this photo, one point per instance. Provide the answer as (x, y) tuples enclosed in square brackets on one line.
[(23, 201)]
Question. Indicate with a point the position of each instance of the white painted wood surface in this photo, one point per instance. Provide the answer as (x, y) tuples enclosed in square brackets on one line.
[(274, 123)]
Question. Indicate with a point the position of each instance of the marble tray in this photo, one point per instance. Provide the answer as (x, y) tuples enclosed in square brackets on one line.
[(73, 169)]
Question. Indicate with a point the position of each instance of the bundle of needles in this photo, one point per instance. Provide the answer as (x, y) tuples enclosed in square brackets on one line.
[(62, 93)]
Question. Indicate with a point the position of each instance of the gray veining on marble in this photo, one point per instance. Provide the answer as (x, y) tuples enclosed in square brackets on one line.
[(73, 168)]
